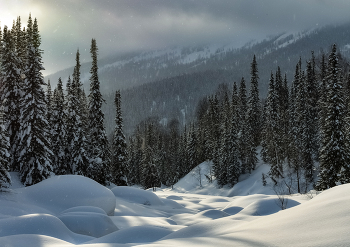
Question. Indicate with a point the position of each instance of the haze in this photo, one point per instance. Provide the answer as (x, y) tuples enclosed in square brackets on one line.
[(132, 25)]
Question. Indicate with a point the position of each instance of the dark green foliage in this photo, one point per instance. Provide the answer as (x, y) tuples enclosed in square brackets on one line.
[(12, 91), (5, 178), (35, 155), (59, 132), (334, 153), (98, 143), (119, 154)]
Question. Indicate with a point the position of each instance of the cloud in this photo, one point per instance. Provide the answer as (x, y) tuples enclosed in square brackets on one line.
[(129, 25)]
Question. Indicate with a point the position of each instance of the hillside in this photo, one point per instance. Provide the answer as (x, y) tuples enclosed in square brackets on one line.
[(130, 70), (169, 83)]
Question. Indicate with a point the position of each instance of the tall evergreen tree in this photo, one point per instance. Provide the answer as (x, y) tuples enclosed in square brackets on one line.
[(271, 144), (119, 151), (254, 114), (80, 156), (59, 132), (244, 138), (11, 92), (5, 178), (98, 143), (35, 155), (48, 102), (334, 156), (150, 177)]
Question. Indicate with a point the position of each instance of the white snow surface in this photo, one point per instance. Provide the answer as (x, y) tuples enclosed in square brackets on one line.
[(76, 211)]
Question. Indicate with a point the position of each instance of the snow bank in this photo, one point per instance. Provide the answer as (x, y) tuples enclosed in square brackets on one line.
[(60, 193), (267, 206), (138, 196), (88, 223), (322, 221), (85, 209), (42, 224)]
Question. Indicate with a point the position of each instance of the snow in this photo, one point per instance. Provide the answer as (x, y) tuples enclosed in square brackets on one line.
[(135, 195), (73, 210)]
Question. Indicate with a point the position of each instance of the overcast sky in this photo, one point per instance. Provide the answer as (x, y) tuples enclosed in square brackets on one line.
[(129, 25)]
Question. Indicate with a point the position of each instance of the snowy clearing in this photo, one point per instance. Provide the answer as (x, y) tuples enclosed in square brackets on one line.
[(73, 210)]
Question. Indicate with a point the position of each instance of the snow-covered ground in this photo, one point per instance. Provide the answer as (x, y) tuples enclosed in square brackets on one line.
[(73, 210)]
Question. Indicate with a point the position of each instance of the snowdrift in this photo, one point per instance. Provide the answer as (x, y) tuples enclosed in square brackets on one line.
[(60, 193), (68, 211)]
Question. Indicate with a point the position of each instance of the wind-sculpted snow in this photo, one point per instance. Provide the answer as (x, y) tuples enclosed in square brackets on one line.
[(42, 224), (136, 234), (135, 195), (88, 223), (60, 193), (72, 211)]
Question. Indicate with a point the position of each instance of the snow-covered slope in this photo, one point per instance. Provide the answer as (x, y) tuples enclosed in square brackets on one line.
[(249, 214)]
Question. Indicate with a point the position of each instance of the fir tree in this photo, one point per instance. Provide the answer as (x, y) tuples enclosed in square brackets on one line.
[(11, 93), (5, 178), (98, 142), (59, 132), (244, 138), (119, 155), (254, 114), (192, 149), (150, 177), (334, 157), (271, 134), (76, 151), (35, 155)]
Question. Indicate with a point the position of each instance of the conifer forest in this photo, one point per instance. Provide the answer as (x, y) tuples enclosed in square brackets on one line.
[(301, 128)]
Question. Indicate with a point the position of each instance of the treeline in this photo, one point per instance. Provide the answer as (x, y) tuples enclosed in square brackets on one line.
[(301, 130), (50, 133)]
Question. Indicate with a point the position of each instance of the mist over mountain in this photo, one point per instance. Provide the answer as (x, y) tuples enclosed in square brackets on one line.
[(168, 83)]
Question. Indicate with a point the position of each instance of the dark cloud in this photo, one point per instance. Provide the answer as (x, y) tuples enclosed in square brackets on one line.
[(128, 25)]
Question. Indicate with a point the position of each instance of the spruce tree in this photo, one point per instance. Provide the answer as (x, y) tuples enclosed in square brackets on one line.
[(271, 134), (5, 178), (98, 143), (244, 138), (254, 114), (294, 159), (80, 151), (334, 156), (150, 177), (192, 149), (11, 93), (60, 164), (119, 151), (35, 155)]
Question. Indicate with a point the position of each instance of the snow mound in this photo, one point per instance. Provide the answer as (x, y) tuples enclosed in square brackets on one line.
[(85, 209), (232, 210), (203, 216), (214, 200), (125, 208), (171, 204), (88, 223), (136, 234), (138, 196), (31, 240), (42, 224), (60, 193), (267, 206), (14, 208), (212, 214)]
